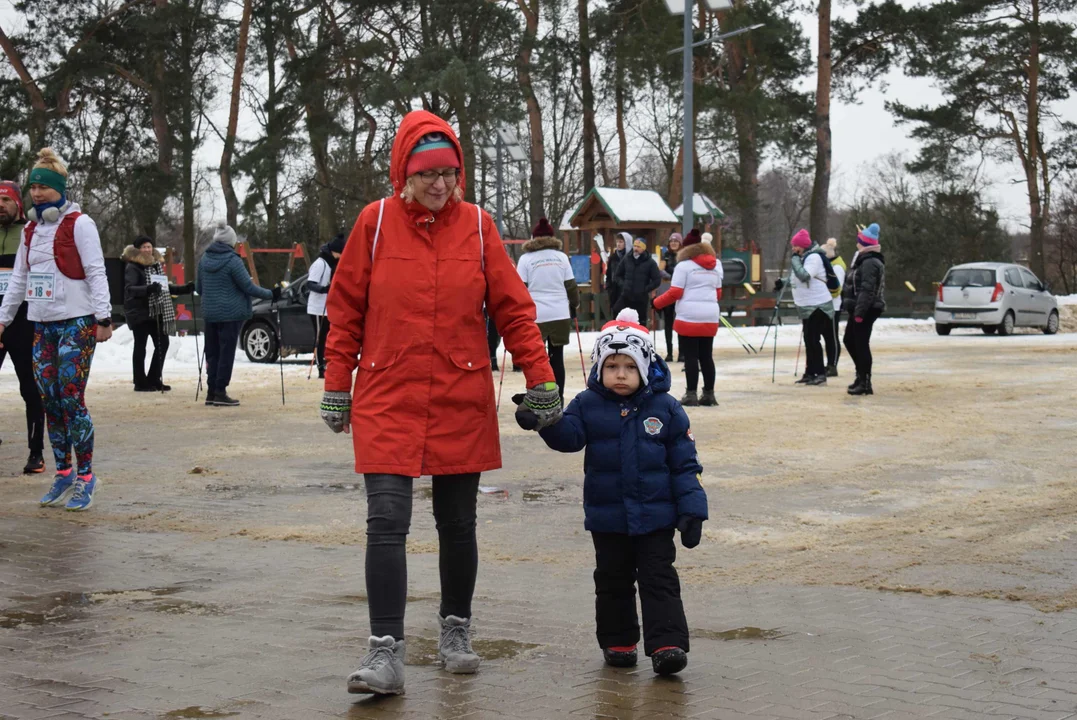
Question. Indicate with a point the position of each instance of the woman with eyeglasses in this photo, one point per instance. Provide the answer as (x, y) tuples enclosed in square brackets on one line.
[(406, 311)]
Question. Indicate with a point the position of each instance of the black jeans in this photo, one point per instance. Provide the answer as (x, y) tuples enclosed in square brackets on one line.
[(833, 347), (388, 520), (642, 306), (815, 327), (221, 339), (622, 561), (698, 354), (320, 323), (858, 341), (150, 329), (19, 344), (669, 314), (556, 354)]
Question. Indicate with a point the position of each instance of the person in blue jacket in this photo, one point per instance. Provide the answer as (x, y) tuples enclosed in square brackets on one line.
[(642, 481)]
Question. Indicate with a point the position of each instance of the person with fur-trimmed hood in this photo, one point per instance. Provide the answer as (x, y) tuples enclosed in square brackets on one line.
[(148, 308), (696, 288), (548, 275)]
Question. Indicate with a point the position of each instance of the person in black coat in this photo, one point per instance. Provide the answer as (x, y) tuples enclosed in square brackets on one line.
[(666, 268), (148, 308), (862, 299), (638, 276), (612, 283)]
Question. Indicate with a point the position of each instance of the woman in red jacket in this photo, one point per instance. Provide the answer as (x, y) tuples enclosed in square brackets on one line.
[(406, 309)]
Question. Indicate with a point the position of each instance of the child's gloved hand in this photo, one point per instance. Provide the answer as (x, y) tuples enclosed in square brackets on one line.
[(525, 418), (691, 529)]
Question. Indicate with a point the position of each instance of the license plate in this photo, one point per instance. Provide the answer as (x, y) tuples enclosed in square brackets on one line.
[(964, 316)]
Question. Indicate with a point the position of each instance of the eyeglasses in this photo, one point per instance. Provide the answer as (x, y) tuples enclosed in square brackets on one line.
[(431, 176)]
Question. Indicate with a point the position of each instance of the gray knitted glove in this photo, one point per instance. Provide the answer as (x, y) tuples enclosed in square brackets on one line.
[(545, 402), (336, 410)]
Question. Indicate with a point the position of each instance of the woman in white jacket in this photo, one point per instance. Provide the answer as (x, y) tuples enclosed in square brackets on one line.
[(60, 271), (547, 273), (696, 287)]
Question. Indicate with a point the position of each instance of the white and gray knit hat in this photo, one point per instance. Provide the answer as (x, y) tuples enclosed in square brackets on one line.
[(625, 336), (224, 234)]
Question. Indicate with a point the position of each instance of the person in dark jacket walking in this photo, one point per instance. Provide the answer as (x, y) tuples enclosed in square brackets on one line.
[(147, 305), (613, 286), (863, 300), (226, 289), (19, 337), (639, 277), (665, 269), (642, 482)]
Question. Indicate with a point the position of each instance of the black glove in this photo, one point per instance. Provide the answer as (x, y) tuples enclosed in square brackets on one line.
[(188, 288), (571, 312), (155, 288), (691, 530), (778, 285), (276, 294), (525, 418)]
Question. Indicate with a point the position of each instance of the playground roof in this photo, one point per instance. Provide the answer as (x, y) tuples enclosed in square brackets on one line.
[(624, 207)]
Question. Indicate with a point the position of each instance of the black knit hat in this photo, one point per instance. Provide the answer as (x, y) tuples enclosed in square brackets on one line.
[(142, 240), (337, 244)]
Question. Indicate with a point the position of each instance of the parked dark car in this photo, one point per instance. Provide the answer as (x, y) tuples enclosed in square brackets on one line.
[(275, 324)]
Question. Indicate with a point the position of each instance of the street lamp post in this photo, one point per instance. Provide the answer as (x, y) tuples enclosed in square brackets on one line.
[(688, 176)]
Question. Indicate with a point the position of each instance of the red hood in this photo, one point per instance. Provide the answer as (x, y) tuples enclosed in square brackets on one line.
[(412, 128), (706, 261)]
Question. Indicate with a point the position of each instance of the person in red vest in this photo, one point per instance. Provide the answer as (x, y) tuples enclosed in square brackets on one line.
[(406, 310), (60, 272)]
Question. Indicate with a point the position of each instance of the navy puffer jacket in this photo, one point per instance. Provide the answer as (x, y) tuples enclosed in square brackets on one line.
[(640, 468)]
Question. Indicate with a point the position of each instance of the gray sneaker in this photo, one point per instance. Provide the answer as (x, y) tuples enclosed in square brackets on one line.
[(454, 647), (382, 670)]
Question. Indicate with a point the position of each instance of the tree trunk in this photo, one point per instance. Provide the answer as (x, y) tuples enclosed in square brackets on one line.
[(1036, 206), (231, 204), (820, 193), (187, 140), (622, 139), (748, 179), (588, 93), (530, 10), (272, 131)]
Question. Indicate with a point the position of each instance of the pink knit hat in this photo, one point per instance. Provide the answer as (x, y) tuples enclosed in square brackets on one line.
[(801, 239)]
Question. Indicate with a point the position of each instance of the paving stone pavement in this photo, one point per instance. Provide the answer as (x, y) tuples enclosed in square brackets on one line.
[(111, 623)]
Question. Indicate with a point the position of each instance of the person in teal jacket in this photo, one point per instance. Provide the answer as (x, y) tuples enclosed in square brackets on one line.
[(226, 289)]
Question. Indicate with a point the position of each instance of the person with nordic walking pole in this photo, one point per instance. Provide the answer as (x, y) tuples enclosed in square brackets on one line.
[(833, 344), (407, 309), (199, 354), (548, 275), (814, 304), (318, 282), (226, 289)]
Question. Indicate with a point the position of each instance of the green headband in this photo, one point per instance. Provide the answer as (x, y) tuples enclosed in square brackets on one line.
[(48, 178)]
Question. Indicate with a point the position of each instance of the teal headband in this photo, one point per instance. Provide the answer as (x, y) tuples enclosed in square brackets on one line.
[(48, 178)]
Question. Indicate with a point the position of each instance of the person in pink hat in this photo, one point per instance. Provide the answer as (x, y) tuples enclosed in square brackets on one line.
[(815, 305)]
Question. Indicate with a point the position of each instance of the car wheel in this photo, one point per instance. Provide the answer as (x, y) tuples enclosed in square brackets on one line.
[(1006, 328), (989, 329), (1052, 323), (260, 343), (942, 329)]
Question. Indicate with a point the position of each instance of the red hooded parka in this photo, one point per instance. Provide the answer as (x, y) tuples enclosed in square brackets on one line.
[(409, 315)]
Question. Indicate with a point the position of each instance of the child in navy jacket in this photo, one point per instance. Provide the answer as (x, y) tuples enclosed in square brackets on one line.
[(642, 481)]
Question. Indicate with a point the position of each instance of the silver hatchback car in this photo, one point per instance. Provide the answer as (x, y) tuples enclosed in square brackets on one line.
[(996, 297)]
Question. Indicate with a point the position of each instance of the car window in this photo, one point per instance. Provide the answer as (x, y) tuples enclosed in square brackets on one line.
[(1013, 277), (1031, 282), (970, 277)]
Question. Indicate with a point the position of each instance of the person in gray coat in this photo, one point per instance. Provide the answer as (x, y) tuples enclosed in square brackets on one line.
[(226, 289)]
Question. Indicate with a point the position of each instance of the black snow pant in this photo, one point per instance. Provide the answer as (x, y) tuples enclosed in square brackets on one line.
[(833, 346), (556, 354), (387, 524), (19, 344), (858, 341), (144, 331), (642, 306), (320, 323), (221, 339), (669, 315), (815, 327), (622, 562), (698, 355)]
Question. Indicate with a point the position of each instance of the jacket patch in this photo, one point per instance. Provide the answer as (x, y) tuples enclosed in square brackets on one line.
[(652, 425)]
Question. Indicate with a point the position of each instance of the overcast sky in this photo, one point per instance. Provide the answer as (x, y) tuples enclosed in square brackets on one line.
[(862, 133)]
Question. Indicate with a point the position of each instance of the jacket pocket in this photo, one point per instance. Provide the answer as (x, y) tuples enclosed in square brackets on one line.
[(468, 360), (376, 361)]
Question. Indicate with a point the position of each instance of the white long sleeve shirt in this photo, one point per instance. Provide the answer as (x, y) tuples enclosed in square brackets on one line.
[(71, 298), (814, 292), (320, 273), (545, 273)]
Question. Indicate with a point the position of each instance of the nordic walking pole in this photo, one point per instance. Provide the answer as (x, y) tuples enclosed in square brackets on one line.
[(197, 353), (317, 334), (774, 362), (796, 368), (280, 358), (748, 348), (579, 344), (501, 383)]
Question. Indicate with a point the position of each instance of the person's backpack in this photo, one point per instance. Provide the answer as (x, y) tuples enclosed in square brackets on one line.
[(832, 282)]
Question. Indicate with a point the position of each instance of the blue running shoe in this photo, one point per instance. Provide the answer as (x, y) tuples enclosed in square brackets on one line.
[(84, 492), (62, 487)]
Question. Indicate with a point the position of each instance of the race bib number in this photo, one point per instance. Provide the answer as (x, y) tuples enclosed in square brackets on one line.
[(5, 278), (41, 287)]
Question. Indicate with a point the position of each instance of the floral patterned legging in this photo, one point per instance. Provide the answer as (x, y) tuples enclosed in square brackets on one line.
[(63, 351)]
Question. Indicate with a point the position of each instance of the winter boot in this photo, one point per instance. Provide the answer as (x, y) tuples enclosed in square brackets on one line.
[(817, 380), (34, 464), (689, 399), (211, 398), (622, 657), (382, 671), (161, 387), (669, 357), (221, 399), (454, 646), (864, 388), (144, 387), (856, 383), (707, 399), (669, 660), (803, 379), (831, 371)]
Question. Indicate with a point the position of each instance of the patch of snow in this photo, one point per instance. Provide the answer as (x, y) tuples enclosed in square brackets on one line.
[(637, 205), (702, 206), (1066, 300)]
